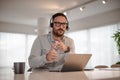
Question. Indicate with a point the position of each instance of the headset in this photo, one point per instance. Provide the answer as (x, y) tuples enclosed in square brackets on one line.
[(56, 15)]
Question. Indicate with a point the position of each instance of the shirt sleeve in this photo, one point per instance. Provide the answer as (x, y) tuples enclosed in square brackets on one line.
[(70, 43), (72, 46), (36, 59)]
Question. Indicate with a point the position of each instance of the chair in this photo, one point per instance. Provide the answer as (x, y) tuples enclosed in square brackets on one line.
[(101, 66), (115, 66)]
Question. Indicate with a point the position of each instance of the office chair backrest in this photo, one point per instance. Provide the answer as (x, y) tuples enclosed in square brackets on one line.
[(101, 66)]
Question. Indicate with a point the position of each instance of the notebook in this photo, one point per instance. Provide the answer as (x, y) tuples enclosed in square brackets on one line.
[(75, 62)]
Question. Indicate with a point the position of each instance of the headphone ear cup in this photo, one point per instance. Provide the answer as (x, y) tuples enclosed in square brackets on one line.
[(67, 27), (51, 25)]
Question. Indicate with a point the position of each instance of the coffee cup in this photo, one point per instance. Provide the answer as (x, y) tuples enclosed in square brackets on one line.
[(19, 67)]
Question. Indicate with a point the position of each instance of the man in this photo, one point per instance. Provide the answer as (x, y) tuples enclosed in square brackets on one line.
[(49, 51)]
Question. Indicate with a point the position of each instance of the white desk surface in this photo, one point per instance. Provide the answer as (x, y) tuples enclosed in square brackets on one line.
[(8, 74)]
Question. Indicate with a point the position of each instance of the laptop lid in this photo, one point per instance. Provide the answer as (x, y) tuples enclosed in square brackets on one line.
[(75, 62)]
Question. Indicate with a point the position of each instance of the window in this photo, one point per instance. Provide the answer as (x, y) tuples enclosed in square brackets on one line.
[(99, 42), (14, 48)]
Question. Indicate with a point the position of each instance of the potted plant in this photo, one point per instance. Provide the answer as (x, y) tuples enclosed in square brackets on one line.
[(116, 37)]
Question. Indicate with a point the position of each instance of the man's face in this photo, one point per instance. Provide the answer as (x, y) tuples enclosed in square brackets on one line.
[(59, 26)]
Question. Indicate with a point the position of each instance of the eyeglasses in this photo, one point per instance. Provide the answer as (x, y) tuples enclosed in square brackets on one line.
[(58, 24)]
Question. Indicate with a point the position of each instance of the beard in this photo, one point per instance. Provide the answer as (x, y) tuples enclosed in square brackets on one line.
[(58, 33)]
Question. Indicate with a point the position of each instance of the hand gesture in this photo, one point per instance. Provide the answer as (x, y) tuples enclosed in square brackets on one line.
[(52, 54), (60, 45)]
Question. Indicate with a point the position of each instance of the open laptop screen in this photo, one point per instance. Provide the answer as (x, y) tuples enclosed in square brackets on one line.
[(76, 62)]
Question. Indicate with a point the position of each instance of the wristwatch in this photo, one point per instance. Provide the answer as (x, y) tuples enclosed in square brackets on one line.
[(68, 49)]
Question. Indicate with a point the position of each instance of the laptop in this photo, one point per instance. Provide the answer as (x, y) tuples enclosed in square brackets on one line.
[(75, 62)]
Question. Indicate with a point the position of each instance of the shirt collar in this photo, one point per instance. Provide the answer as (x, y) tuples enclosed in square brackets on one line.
[(52, 39)]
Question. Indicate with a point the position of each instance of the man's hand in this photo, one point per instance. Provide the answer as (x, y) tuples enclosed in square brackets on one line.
[(51, 55), (60, 45)]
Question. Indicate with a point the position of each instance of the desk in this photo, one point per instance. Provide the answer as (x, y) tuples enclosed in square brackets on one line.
[(45, 75)]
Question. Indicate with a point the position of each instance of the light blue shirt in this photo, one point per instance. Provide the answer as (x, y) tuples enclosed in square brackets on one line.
[(41, 45)]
